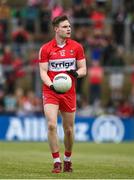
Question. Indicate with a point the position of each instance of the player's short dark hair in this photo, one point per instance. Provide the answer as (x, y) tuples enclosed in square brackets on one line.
[(57, 20)]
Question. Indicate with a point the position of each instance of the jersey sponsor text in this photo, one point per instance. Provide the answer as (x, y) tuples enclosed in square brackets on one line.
[(62, 64)]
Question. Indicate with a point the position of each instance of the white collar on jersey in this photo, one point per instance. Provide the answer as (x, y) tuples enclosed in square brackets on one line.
[(62, 45)]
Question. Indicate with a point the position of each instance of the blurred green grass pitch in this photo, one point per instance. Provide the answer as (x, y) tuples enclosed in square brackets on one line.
[(32, 160)]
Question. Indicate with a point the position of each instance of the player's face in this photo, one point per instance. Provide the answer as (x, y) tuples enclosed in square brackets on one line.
[(64, 29)]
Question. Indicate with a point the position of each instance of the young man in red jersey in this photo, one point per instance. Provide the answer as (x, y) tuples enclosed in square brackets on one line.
[(61, 55)]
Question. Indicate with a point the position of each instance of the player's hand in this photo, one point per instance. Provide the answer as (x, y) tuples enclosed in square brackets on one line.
[(53, 89), (73, 73)]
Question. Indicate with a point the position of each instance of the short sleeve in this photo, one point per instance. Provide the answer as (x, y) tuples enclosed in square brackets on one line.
[(43, 55), (80, 53)]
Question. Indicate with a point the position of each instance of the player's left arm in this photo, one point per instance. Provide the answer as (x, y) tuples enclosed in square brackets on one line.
[(81, 68), (80, 63)]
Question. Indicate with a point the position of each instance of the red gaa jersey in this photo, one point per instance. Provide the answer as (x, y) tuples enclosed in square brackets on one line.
[(61, 59)]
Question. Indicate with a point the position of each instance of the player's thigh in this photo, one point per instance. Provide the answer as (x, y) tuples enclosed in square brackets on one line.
[(67, 119), (51, 112)]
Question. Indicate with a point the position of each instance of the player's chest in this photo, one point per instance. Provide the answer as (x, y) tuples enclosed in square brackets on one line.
[(60, 53)]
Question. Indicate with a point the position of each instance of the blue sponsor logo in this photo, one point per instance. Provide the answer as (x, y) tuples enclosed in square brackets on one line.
[(108, 128)]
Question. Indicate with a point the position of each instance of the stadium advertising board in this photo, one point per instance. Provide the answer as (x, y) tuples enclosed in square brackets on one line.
[(105, 128)]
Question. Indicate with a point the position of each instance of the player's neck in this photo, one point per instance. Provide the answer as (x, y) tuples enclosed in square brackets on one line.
[(60, 41)]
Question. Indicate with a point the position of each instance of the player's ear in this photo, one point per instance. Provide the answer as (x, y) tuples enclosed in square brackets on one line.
[(56, 28)]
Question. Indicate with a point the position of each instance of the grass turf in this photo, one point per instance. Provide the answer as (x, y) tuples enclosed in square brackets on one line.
[(27, 160)]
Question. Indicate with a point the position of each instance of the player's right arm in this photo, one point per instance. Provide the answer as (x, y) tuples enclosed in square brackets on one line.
[(43, 65), (43, 74)]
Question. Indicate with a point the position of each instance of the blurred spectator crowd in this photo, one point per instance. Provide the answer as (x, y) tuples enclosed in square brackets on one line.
[(105, 28)]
